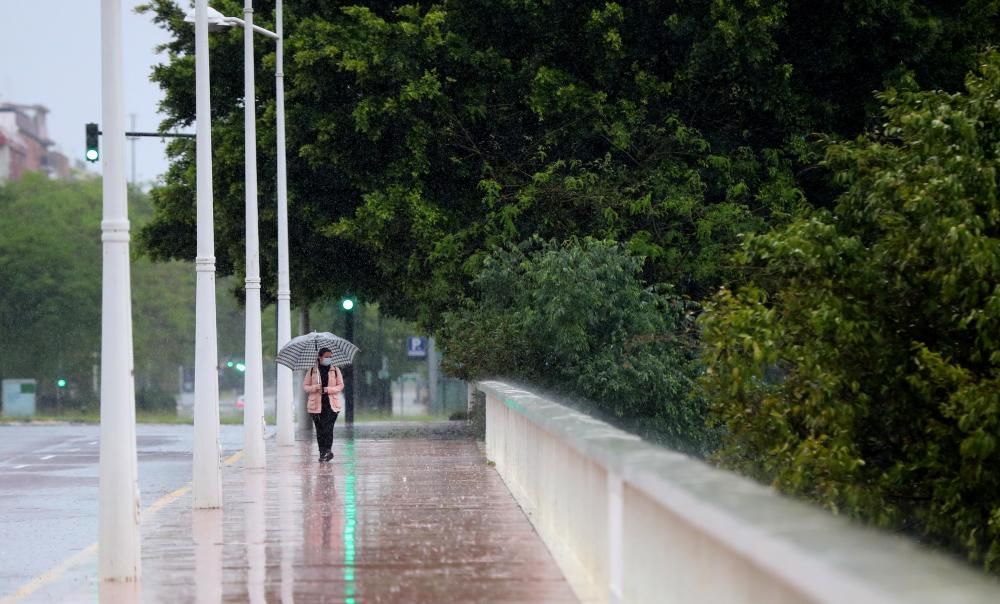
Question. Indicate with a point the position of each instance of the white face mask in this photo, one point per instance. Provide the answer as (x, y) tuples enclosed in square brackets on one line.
[(326, 362)]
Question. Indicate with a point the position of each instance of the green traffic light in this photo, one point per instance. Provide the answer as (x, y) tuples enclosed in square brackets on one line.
[(347, 303), (241, 367), (61, 382), (93, 152), (230, 364)]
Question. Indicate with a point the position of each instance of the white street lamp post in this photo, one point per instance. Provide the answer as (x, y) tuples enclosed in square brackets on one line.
[(253, 418), (286, 433), (207, 464), (253, 412), (119, 544)]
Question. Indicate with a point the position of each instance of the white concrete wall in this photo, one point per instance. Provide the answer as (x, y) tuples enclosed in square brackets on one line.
[(632, 522)]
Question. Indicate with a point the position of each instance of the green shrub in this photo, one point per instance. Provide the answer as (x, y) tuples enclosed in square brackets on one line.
[(154, 399), (881, 330), (575, 317)]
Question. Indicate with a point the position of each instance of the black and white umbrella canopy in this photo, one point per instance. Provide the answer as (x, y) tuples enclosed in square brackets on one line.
[(301, 352)]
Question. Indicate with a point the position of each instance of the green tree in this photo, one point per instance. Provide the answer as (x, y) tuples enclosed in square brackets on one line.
[(50, 285), (50, 294), (576, 317), (862, 366), (317, 194), (423, 135)]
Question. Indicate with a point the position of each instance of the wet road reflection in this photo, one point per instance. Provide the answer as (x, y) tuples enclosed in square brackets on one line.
[(255, 530), (350, 520), (404, 513), (206, 529), (321, 524), (49, 489), (287, 516), (120, 593)]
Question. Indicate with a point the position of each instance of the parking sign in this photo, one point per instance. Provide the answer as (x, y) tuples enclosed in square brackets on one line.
[(416, 347)]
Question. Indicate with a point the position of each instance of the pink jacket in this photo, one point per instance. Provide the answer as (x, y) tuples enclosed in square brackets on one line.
[(313, 383)]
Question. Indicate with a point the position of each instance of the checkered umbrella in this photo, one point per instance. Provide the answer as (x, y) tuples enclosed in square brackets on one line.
[(301, 352)]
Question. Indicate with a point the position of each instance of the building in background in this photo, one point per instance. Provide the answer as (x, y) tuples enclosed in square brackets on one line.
[(25, 145)]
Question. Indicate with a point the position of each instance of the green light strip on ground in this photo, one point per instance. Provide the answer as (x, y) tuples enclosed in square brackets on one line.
[(350, 523)]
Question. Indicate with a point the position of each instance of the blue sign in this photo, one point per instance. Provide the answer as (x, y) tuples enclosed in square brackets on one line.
[(416, 347)]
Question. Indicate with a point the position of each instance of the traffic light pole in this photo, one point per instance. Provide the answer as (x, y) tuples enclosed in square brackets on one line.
[(349, 371), (92, 136), (160, 135), (156, 134)]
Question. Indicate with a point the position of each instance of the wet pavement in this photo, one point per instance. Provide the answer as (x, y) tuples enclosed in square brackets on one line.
[(404, 513), (49, 488)]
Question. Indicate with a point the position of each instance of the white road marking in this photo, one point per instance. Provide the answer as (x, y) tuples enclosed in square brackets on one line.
[(44, 457), (24, 465)]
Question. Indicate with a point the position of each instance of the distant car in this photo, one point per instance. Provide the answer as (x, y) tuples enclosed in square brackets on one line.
[(241, 401)]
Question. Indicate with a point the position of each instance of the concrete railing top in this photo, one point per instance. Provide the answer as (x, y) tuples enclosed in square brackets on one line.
[(827, 557)]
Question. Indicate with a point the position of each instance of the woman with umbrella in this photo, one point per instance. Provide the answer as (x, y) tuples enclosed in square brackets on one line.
[(324, 383), (321, 354)]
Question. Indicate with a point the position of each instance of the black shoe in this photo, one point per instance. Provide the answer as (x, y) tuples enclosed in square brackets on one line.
[(326, 456)]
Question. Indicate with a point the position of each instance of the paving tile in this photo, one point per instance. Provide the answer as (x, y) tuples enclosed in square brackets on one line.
[(404, 513)]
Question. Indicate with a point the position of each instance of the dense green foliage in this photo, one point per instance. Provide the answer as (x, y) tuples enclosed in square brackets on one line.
[(576, 318), (50, 294), (880, 322), (423, 135), (50, 288)]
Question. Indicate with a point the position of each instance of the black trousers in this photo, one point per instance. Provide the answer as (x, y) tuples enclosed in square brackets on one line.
[(324, 422)]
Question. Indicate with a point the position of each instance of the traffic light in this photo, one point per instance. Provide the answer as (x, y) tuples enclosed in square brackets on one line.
[(61, 382), (348, 303), (93, 152)]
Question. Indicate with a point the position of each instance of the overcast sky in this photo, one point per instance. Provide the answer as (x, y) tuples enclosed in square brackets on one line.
[(50, 54)]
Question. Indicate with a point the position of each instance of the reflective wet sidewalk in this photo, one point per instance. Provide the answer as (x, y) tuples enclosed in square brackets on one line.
[(404, 513)]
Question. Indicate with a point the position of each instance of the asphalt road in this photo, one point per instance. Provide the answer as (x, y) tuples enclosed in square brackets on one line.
[(49, 488)]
